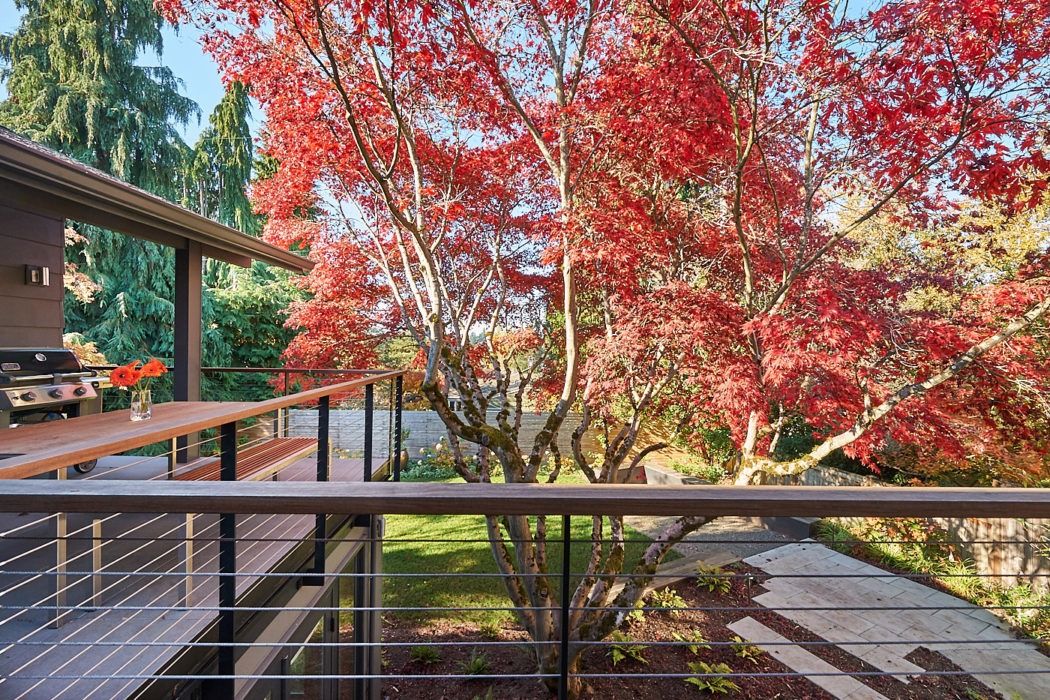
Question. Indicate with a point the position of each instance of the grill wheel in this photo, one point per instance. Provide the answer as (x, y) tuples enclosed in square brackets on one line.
[(85, 467)]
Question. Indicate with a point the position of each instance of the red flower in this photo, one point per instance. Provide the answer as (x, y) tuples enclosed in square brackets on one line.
[(153, 368), (126, 375)]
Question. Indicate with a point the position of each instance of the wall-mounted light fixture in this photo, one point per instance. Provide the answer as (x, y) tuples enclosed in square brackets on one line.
[(38, 275)]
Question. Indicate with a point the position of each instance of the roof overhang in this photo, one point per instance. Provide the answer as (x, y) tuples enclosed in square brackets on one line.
[(36, 179)]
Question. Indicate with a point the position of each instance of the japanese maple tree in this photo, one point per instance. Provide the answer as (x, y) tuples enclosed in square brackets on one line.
[(778, 135), (657, 209)]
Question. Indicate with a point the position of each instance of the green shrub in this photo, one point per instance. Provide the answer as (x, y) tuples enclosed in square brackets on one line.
[(704, 470), (694, 642), (713, 578), (476, 665), (433, 465), (490, 629), (668, 600), (746, 650), (638, 614)]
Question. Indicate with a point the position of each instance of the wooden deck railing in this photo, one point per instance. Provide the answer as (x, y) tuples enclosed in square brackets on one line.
[(523, 499), (250, 501)]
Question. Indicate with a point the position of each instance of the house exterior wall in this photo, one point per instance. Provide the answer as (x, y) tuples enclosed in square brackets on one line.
[(30, 315)]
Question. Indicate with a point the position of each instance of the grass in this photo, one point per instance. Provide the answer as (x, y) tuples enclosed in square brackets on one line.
[(418, 545), (421, 547)]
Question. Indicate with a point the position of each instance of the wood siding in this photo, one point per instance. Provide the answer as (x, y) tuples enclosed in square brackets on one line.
[(30, 316)]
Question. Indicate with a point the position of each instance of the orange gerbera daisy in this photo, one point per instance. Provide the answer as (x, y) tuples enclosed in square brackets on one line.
[(153, 368), (126, 375)]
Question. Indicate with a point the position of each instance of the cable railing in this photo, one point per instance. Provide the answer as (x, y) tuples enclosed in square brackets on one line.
[(117, 594), (134, 581), (395, 594)]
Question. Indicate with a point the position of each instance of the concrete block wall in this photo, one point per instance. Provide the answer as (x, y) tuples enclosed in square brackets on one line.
[(424, 429)]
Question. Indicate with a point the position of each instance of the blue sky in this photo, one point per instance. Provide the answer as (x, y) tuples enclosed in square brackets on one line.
[(182, 53)]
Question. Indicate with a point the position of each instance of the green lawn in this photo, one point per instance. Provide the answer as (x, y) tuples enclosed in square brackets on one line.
[(456, 544)]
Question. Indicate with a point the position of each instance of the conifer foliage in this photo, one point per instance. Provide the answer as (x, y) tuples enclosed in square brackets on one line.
[(74, 84)]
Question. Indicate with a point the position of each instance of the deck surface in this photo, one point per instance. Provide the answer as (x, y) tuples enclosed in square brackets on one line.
[(96, 654)]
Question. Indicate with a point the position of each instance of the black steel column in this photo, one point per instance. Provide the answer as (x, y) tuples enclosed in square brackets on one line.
[(224, 687), (330, 635), (362, 616), (398, 398), (563, 651), (375, 602), (323, 474), (369, 401), (187, 342)]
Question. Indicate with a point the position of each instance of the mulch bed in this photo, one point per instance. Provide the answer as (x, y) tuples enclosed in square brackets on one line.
[(513, 663)]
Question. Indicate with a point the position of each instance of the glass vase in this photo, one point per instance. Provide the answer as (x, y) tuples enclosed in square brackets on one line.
[(141, 404)]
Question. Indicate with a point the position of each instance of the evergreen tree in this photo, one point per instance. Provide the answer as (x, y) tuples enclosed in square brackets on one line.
[(243, 309), (221, 168), (74, 85)]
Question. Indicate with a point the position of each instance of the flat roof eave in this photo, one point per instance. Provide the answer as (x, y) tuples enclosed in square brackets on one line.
[(37, 179)]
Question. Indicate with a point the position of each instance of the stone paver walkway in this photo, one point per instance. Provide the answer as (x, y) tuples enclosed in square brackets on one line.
[(798, 659), (881, 618)]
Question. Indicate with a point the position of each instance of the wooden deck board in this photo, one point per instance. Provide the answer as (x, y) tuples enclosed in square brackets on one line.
[(257, 462)]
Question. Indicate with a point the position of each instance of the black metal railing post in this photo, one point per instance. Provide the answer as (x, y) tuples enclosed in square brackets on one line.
[(224, 685), (324, 464), (369, 402), (399, 393), (563, 642), (363, 626), (376, 532)]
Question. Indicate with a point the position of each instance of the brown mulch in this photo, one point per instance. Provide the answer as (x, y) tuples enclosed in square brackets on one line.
[(513, 664)]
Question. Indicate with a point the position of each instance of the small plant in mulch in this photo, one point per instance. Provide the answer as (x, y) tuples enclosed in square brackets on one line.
[(711, 677), (623, 648), (713, 579), (694, 642), (668, 601), (638, 614), (425, 655), (476, 665), (745, 650), (490, 629)]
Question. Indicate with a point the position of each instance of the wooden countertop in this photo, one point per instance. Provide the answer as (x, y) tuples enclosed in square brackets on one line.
[(46, 447)]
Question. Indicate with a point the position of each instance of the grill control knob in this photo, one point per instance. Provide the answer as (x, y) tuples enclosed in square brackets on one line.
[(80, 391), (55, 393), (28, 396)]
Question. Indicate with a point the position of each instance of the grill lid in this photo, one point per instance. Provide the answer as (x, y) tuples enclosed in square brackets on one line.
[(39, 378), (25, 362)]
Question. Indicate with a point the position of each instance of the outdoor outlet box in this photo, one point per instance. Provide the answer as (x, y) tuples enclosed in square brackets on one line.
[(38, 276)]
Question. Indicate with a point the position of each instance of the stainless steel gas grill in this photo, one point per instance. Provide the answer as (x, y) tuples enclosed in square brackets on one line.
[(44, 384)]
